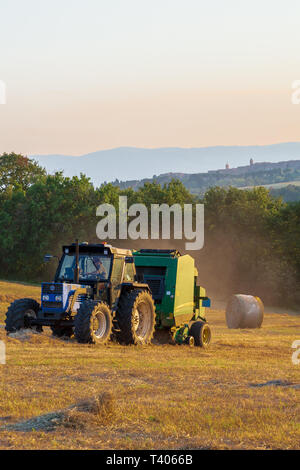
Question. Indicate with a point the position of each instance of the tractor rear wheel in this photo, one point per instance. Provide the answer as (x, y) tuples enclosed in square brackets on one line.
[(201, 334), (19, 315), (136, 317), (61, 331), (93, 322)]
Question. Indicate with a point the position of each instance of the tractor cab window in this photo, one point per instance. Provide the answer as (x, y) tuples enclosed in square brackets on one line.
[(91, 268), (129, 272)]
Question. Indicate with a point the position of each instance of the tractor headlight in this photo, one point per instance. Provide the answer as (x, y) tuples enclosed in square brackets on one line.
[(58, 298), (46, 298)]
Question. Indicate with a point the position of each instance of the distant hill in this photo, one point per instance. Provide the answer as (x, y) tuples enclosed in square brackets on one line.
[(131, 165), (255, 174)]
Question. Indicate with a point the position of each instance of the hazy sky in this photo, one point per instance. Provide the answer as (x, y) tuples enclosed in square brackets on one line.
[(88, 75)]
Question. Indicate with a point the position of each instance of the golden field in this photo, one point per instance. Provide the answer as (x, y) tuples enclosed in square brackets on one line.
[(166, 397)]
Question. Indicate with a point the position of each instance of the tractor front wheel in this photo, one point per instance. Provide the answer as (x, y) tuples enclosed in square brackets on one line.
[(93, 322), (19, 315), (136, 317), (61, 331), (201, 334)]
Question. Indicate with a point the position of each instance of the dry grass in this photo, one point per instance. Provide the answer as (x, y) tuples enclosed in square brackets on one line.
[(72, 396), (102, 410)]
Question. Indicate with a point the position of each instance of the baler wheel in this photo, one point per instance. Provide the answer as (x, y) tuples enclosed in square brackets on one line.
[(201, 333), (93, 322), (19, 314), (136, 317)]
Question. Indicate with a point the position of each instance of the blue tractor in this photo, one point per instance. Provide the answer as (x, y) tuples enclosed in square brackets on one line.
[(95, 295)]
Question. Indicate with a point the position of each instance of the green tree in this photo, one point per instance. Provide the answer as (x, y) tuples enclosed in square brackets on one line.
[(54, 210), (18, 172)]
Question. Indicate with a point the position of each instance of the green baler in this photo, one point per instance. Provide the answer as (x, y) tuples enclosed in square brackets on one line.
[(180, 303)]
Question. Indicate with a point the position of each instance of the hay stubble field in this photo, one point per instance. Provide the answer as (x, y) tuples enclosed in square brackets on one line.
[(241, 393)]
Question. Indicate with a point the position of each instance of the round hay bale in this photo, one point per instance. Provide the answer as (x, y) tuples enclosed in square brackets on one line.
[(244, 311)]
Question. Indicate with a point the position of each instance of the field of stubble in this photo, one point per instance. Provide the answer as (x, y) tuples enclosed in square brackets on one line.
[(243, 392)]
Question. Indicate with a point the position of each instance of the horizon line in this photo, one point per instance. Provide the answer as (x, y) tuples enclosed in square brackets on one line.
[(132, 147)]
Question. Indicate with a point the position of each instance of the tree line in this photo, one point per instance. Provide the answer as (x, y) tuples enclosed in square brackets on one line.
[(252, 239)]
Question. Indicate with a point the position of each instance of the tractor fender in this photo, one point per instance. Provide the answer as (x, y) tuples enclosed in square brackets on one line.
[(135, 285)]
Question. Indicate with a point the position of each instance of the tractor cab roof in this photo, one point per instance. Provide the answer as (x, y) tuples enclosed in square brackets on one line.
[(97, 248)]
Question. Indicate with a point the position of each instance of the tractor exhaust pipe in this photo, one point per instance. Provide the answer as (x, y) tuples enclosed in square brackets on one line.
[(77, 263)]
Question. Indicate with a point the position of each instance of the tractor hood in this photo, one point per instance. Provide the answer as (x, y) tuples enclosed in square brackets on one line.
[(55, 297)]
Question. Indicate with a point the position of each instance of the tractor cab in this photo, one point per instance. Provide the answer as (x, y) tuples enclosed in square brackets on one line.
[(85, 263), (86, 271)]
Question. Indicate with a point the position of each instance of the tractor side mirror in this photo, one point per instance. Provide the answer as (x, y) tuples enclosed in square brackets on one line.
[(48, 258)]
